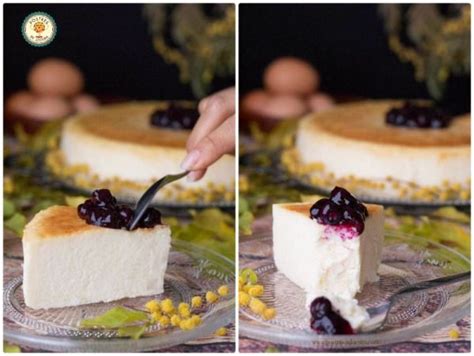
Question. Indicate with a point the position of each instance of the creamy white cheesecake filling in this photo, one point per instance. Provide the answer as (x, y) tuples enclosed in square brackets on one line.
[(109, 159), (322, 263), (94, 266)]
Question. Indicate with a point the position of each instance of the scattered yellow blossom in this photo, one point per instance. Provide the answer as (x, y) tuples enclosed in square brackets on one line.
[(221, 332), (211, 297)]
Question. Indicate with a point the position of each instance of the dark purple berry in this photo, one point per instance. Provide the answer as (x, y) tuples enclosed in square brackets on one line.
[(340, 209), (84, 208), (126, 214), (102, 210), (417, 116), (150, 218), (102, 197), (326, 321), (318, 207), (175, 117), (320, 307)]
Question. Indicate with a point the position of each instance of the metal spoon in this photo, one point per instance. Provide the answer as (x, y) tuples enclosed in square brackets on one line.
[(150, 193), (378, 315)]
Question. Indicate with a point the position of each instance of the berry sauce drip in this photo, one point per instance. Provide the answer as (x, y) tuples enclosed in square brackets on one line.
[(102, 210), (417, 116), (175, 117), (340, 209), (325, 321)]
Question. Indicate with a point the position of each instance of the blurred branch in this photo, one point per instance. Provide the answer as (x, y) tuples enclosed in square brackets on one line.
[(201, 44), (437, 45)]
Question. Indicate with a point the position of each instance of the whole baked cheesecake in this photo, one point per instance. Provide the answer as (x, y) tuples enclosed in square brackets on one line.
[(385, 149), (331, 249), (75, 256), (126, 147)]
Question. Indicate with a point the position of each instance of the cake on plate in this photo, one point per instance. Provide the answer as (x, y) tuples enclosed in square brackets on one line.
[(331, 249), (126, 147), (385, 149), (75, 256)]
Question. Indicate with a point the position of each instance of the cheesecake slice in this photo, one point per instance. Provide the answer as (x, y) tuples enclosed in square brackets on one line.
[(68, 262), (331, 260)]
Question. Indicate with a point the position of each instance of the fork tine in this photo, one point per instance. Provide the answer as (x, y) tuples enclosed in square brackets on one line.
[(150, 193)]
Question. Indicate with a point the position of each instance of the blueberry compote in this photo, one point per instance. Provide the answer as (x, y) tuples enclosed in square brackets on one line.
[(417, 116), (340, 209), (102, 210), (175, 117), (324, 320)]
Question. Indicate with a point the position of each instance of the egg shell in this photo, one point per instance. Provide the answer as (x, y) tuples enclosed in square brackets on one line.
[(255, 100), (55, 77), (85, 103), (290, 75), (17, 104), (284, 107), (320, 102), (46, 108)]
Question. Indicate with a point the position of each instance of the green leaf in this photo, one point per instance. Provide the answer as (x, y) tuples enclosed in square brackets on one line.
[(8, 208), (272, 349), (245, 223), (16, 224), (10, 348), (210, 228), (115, 318), (134, 332), (74, 201), (452, 213), (246, 217), (249, 276), (41, 205)]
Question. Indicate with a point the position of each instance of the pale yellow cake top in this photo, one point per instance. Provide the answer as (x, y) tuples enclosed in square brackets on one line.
[(365, 121), (129, 123), (304, 208), (62, 221)]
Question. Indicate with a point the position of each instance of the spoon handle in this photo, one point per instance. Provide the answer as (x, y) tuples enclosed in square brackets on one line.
[(433, 283), (150, 193)]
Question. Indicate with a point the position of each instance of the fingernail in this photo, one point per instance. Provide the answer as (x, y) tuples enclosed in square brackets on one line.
[(190, 160), (191, 177)]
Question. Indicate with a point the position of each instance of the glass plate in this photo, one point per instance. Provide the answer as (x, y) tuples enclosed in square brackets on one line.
[(191, 270), (405, 260)]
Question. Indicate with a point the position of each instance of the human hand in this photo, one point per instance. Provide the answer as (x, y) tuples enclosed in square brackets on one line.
[(214, 133)]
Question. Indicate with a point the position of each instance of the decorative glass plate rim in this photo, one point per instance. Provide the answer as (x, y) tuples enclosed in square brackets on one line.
[(279, 335), (58, 343), (277, 168)]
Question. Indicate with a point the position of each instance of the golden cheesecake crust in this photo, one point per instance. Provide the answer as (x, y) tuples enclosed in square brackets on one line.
[(130, 123), (365, 121), (303, 208), (59, 222)]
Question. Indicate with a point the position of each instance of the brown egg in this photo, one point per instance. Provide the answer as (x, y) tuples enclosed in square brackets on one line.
[(284, 107), (45, 108), (254, 101), (85, 103), (55, 77), (17, 104), (320, 102), (289, 75)]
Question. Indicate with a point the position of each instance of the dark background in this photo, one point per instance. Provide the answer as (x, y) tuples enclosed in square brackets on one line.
[(110, 43), (347, 43)]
